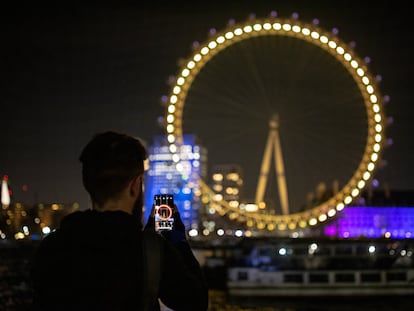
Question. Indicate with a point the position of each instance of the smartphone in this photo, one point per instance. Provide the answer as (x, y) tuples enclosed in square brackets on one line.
[(164, 212)]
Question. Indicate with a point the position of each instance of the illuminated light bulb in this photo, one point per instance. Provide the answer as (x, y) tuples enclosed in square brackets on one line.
[(306, 31), (170, 118), (313, 221), (340, 50), (360, 72), (286, 27), (355, 192), (205, 50), (212, 45), (347, 57), (348, 200), (281, 226), (176, 90), (324, 39), (277, 26), (257, 27), (354, 64), (238, 31), (267, 26), (340, 206), (220, 40), (247, 29), (171, 108), (173, 148), (173, 99), (322, 217), (176, 158)]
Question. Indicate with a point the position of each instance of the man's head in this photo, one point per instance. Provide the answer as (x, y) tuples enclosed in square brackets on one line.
[(110, 161)]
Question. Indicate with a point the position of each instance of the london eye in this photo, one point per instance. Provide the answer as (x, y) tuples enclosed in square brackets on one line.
[(274, 89)]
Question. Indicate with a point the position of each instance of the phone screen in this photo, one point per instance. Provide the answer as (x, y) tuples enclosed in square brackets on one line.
[(164, 216)]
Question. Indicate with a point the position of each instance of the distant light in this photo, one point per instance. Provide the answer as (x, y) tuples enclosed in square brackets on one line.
[(315, 21), (193, 233), (238, 233), (5, 192), (220, 232), (46, 230), (19, 236)]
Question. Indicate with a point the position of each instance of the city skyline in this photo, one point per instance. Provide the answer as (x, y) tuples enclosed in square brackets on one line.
[(72, 72)]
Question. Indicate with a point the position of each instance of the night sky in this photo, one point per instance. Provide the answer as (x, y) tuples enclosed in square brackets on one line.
[(68, 72)]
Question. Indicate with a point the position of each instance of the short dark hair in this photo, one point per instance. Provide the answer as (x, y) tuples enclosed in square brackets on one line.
[(109, 162)]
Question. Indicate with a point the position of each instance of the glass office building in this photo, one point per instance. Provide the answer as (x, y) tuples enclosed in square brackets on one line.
[(163, 177)]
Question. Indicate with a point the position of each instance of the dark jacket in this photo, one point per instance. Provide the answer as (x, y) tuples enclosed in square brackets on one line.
[(94, 261)]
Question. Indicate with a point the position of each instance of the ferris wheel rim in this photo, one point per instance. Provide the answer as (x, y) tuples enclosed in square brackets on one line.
[(329, 43)]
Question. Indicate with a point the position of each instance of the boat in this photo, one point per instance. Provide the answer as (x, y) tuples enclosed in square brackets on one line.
[(322, 267)]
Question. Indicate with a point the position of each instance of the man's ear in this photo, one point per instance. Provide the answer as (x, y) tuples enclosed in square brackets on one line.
[(135, 186)]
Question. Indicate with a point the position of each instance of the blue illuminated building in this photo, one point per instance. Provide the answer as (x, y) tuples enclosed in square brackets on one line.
[(373, 222), (163, 177)]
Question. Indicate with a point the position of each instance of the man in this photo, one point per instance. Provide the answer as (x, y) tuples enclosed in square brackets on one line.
[(102, 259)]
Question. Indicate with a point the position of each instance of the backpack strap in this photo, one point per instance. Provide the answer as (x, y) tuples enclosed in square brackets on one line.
[(151, 252)]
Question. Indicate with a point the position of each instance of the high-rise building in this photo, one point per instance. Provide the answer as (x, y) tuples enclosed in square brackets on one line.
[(163, 177), (227, 182)]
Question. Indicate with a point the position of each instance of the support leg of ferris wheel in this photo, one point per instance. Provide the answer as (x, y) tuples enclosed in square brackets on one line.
[(273, 144)]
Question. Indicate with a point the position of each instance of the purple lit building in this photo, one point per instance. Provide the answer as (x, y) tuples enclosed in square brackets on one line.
[(395, 222)]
